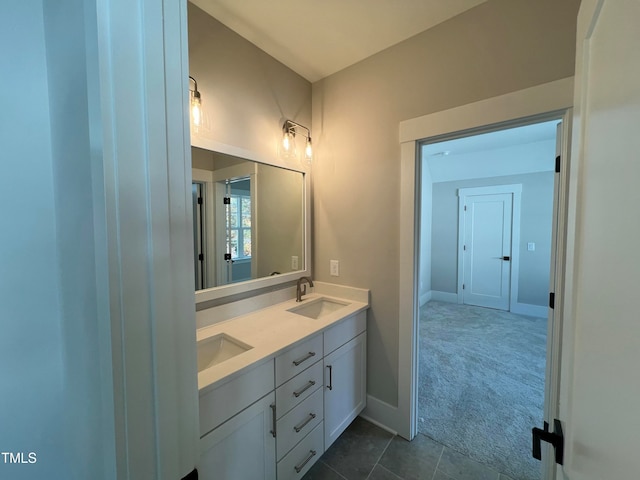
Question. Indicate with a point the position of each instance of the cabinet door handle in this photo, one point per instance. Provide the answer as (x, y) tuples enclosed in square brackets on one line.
[(297, 428), (309, 384), (304, 359), (298, 468), (330, 386), (273, 419)]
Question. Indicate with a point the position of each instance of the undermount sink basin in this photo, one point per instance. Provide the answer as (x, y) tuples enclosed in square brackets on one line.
[(217, 349), (318, 307)]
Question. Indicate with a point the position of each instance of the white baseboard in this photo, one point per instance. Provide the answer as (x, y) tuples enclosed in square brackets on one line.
[(424, 298), (530, 310), (381, 414), (444, 296)]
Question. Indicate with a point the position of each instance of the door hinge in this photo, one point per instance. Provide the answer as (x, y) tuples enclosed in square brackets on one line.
[(200, 257), (555, 438), (558, 164), (227, 200), (552, 300), (193, 475), (199, 200), (227, 256), (464, 247), (463, 286), (465, 208)]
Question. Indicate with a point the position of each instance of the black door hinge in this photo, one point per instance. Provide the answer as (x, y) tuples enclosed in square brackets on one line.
[(193, 475), (558, 164), (552, 300), (227, 200), (227, 256), (199, 200), (555, 438), (200, 257)]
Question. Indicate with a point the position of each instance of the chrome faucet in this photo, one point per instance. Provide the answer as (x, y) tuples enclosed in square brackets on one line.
[(302, 289)]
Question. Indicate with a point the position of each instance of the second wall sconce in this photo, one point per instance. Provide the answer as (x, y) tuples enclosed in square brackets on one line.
[(195, 104), (289, 130)]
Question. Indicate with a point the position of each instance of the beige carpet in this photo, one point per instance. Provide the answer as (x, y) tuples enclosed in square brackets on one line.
[(482, 383)]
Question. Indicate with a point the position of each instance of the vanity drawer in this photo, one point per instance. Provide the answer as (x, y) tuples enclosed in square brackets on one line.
[(299, 460), (298, 358), (223, 402), (341, 333), (298, 388), (296, 424)]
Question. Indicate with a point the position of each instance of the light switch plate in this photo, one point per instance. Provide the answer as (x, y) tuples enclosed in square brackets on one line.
[(531, 246), (294, 262)]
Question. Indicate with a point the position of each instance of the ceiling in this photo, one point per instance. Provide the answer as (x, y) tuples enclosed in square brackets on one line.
[(514, 151), (316, 38)]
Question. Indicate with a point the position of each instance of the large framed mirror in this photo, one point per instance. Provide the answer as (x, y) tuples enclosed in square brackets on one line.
[(250, 220)]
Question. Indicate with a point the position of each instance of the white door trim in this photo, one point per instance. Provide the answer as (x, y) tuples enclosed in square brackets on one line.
[(533, 104), (516, 191)]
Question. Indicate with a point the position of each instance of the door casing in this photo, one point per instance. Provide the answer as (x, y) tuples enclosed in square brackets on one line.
[(548, 101)]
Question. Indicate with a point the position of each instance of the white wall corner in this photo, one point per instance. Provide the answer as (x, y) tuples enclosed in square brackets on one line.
[(425, 297), (382, 414)]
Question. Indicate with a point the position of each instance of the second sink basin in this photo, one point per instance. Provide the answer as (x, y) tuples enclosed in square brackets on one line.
[(318, 307), (217, 349)]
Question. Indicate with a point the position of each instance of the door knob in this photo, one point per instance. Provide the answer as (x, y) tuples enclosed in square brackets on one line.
[(506, 258)]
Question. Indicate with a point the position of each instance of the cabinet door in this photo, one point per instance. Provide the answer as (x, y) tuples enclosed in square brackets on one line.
[(345, 387), (242, 447)]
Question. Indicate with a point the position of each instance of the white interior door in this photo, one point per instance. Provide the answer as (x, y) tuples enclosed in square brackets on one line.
[(600, 384), (485, 254)]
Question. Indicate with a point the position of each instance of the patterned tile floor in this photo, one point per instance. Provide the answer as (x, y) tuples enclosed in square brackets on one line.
[(367, 452)]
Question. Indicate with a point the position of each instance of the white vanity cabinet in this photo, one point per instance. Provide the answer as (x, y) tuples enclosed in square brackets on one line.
[(345, 363), (274, 420), (242, 447), (300, 408), (237, 427)]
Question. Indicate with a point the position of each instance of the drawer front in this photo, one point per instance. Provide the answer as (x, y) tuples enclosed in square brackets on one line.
[(298, 358), (340, 334), (299, 460), (223, 402), (296, 424), (291, 393)]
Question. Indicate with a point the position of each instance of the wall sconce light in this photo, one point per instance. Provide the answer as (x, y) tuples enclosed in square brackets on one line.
[(196, 104), (289, 131)]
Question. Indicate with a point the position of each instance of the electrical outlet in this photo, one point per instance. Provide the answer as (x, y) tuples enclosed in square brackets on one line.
[(294, 262), (334, 268), (531, 246)]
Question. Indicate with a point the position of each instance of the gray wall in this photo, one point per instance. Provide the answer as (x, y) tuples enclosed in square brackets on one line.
[(498, 47), (536, 218), (246, 94)]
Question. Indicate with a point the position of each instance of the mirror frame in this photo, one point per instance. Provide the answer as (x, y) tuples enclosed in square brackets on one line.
[(215, 293)]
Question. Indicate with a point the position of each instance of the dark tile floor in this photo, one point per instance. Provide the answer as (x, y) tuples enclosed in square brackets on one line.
[(367, 452)]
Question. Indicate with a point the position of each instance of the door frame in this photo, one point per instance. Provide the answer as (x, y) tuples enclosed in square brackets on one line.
[(516, 191), (548, 101)]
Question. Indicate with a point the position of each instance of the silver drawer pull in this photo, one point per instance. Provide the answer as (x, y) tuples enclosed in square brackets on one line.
[(304, 359), (310, 384), (297, 428), (298, 468)]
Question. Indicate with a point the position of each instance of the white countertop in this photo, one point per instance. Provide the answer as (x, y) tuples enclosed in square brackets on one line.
[(269, 331)]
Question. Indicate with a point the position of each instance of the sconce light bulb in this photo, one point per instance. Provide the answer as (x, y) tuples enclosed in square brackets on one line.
[(286, 141), (308, 151), (196, 109)]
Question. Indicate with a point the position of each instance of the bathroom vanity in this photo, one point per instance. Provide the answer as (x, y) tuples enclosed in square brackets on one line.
[(278, 385)]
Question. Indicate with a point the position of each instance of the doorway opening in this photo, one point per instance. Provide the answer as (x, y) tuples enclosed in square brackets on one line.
[(486, 243)]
